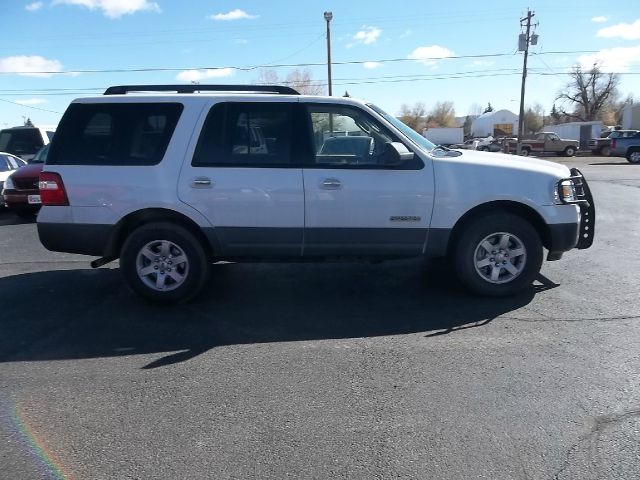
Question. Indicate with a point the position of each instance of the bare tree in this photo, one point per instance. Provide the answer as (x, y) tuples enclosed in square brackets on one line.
[(443, 114), (533, 118), (301, 80), (413, 116), (475, 109), (588, 93)]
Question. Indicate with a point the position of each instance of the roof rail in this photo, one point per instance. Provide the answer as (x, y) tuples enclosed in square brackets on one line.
[(276, 89)]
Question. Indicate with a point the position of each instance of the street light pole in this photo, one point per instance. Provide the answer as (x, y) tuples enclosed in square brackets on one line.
[(328, 16)]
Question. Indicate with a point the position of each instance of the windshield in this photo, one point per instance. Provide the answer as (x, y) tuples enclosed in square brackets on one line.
[(41, 156), (408, 131)]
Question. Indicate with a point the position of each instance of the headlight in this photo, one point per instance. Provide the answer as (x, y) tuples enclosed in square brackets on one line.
[(8, 184), (565, 192)]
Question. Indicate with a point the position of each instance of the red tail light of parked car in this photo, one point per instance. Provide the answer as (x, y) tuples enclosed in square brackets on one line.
[(52, 191)]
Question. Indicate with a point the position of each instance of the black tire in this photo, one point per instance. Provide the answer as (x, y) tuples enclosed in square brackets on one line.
[(525, 151), (484, 149), (633, 156), (464, 254), (570, 151), (193, 272), (605, 151)]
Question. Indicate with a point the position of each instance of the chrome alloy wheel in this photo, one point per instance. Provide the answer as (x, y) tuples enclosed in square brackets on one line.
[(500, 257), (162, 265), (634, 157)]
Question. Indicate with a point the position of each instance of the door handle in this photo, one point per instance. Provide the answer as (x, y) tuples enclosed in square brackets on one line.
[(331, 184), (201, 182)]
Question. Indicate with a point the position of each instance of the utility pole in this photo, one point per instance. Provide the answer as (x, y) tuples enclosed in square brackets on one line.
[(525, 40), (328, 16)]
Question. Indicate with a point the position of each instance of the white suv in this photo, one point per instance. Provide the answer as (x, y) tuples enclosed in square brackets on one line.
[(174, 178)]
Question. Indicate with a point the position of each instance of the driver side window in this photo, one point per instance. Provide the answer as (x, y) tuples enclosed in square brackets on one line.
[(347, 137)]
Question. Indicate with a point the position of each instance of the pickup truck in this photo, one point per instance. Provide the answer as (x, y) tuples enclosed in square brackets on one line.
[(546, 142), (628, 147), (602, 146)]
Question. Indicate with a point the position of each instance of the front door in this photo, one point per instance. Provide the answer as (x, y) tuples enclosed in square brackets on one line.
[(245, 178), (356, 203)]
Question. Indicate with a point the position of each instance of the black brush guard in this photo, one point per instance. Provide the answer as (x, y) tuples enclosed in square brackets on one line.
[(584, 200)]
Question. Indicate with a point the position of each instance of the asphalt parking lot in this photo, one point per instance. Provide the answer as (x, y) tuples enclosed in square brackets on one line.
[(327, 371)]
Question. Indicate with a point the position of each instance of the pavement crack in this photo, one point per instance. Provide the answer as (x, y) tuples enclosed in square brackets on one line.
[(600, 424), (546, 318)]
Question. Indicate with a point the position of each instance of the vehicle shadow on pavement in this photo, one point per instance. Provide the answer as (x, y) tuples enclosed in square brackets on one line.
[(69, 314), (9, 218), (623, 162)]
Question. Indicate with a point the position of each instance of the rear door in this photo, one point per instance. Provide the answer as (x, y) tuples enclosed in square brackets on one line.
[(245, 177), (356, 203)]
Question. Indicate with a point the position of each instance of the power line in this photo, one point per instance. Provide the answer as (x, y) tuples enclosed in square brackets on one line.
[(282, 65), (29, 106)]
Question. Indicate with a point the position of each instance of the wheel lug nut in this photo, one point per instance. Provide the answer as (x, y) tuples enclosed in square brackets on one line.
[(168, 269), (492, 259), (155, 268)]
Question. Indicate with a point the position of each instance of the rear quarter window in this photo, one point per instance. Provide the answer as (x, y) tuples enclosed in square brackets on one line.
[(21, 141), (125, 134)]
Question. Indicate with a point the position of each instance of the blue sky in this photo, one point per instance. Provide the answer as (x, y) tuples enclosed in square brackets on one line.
[(412, 49)]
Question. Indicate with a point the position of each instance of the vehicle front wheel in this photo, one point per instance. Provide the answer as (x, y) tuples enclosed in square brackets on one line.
[(570, 151), (605, 151), (525, 152), (164, 262), (634, 156), (497, 254)]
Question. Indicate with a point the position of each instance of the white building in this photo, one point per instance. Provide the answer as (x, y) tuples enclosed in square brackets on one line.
[(498, 123)]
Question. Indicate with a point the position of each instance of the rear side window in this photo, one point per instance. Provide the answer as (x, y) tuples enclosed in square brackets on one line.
[(21, 141), (246, 135), (129, 134)]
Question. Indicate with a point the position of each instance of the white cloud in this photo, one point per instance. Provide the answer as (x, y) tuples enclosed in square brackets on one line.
[(406, 33), (30, 65), (31, 101), (371, 65), (114, 8), (34, 6), (236, 14), (366, 36), (429, 54), (199, 75), (599, 19), (628, 31), (612, 59)]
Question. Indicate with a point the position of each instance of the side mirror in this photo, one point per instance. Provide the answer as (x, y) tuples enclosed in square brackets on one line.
[(554, 139), (395, 153)]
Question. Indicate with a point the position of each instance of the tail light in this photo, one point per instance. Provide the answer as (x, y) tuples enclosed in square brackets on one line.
[(613, 143), (52, 191)]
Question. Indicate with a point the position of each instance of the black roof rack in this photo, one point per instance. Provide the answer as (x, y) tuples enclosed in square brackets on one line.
[(277, 89)]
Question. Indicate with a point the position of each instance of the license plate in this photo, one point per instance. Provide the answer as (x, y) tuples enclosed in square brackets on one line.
[(34, 199)]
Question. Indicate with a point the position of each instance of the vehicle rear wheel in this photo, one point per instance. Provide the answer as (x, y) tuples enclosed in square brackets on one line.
[(570, 151), (525, 151), (164, 262), (605, 151), (633, 156), (497, 254), (484, 149)]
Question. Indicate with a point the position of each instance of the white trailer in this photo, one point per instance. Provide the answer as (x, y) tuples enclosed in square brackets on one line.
[(444, 136), (581, 131)]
